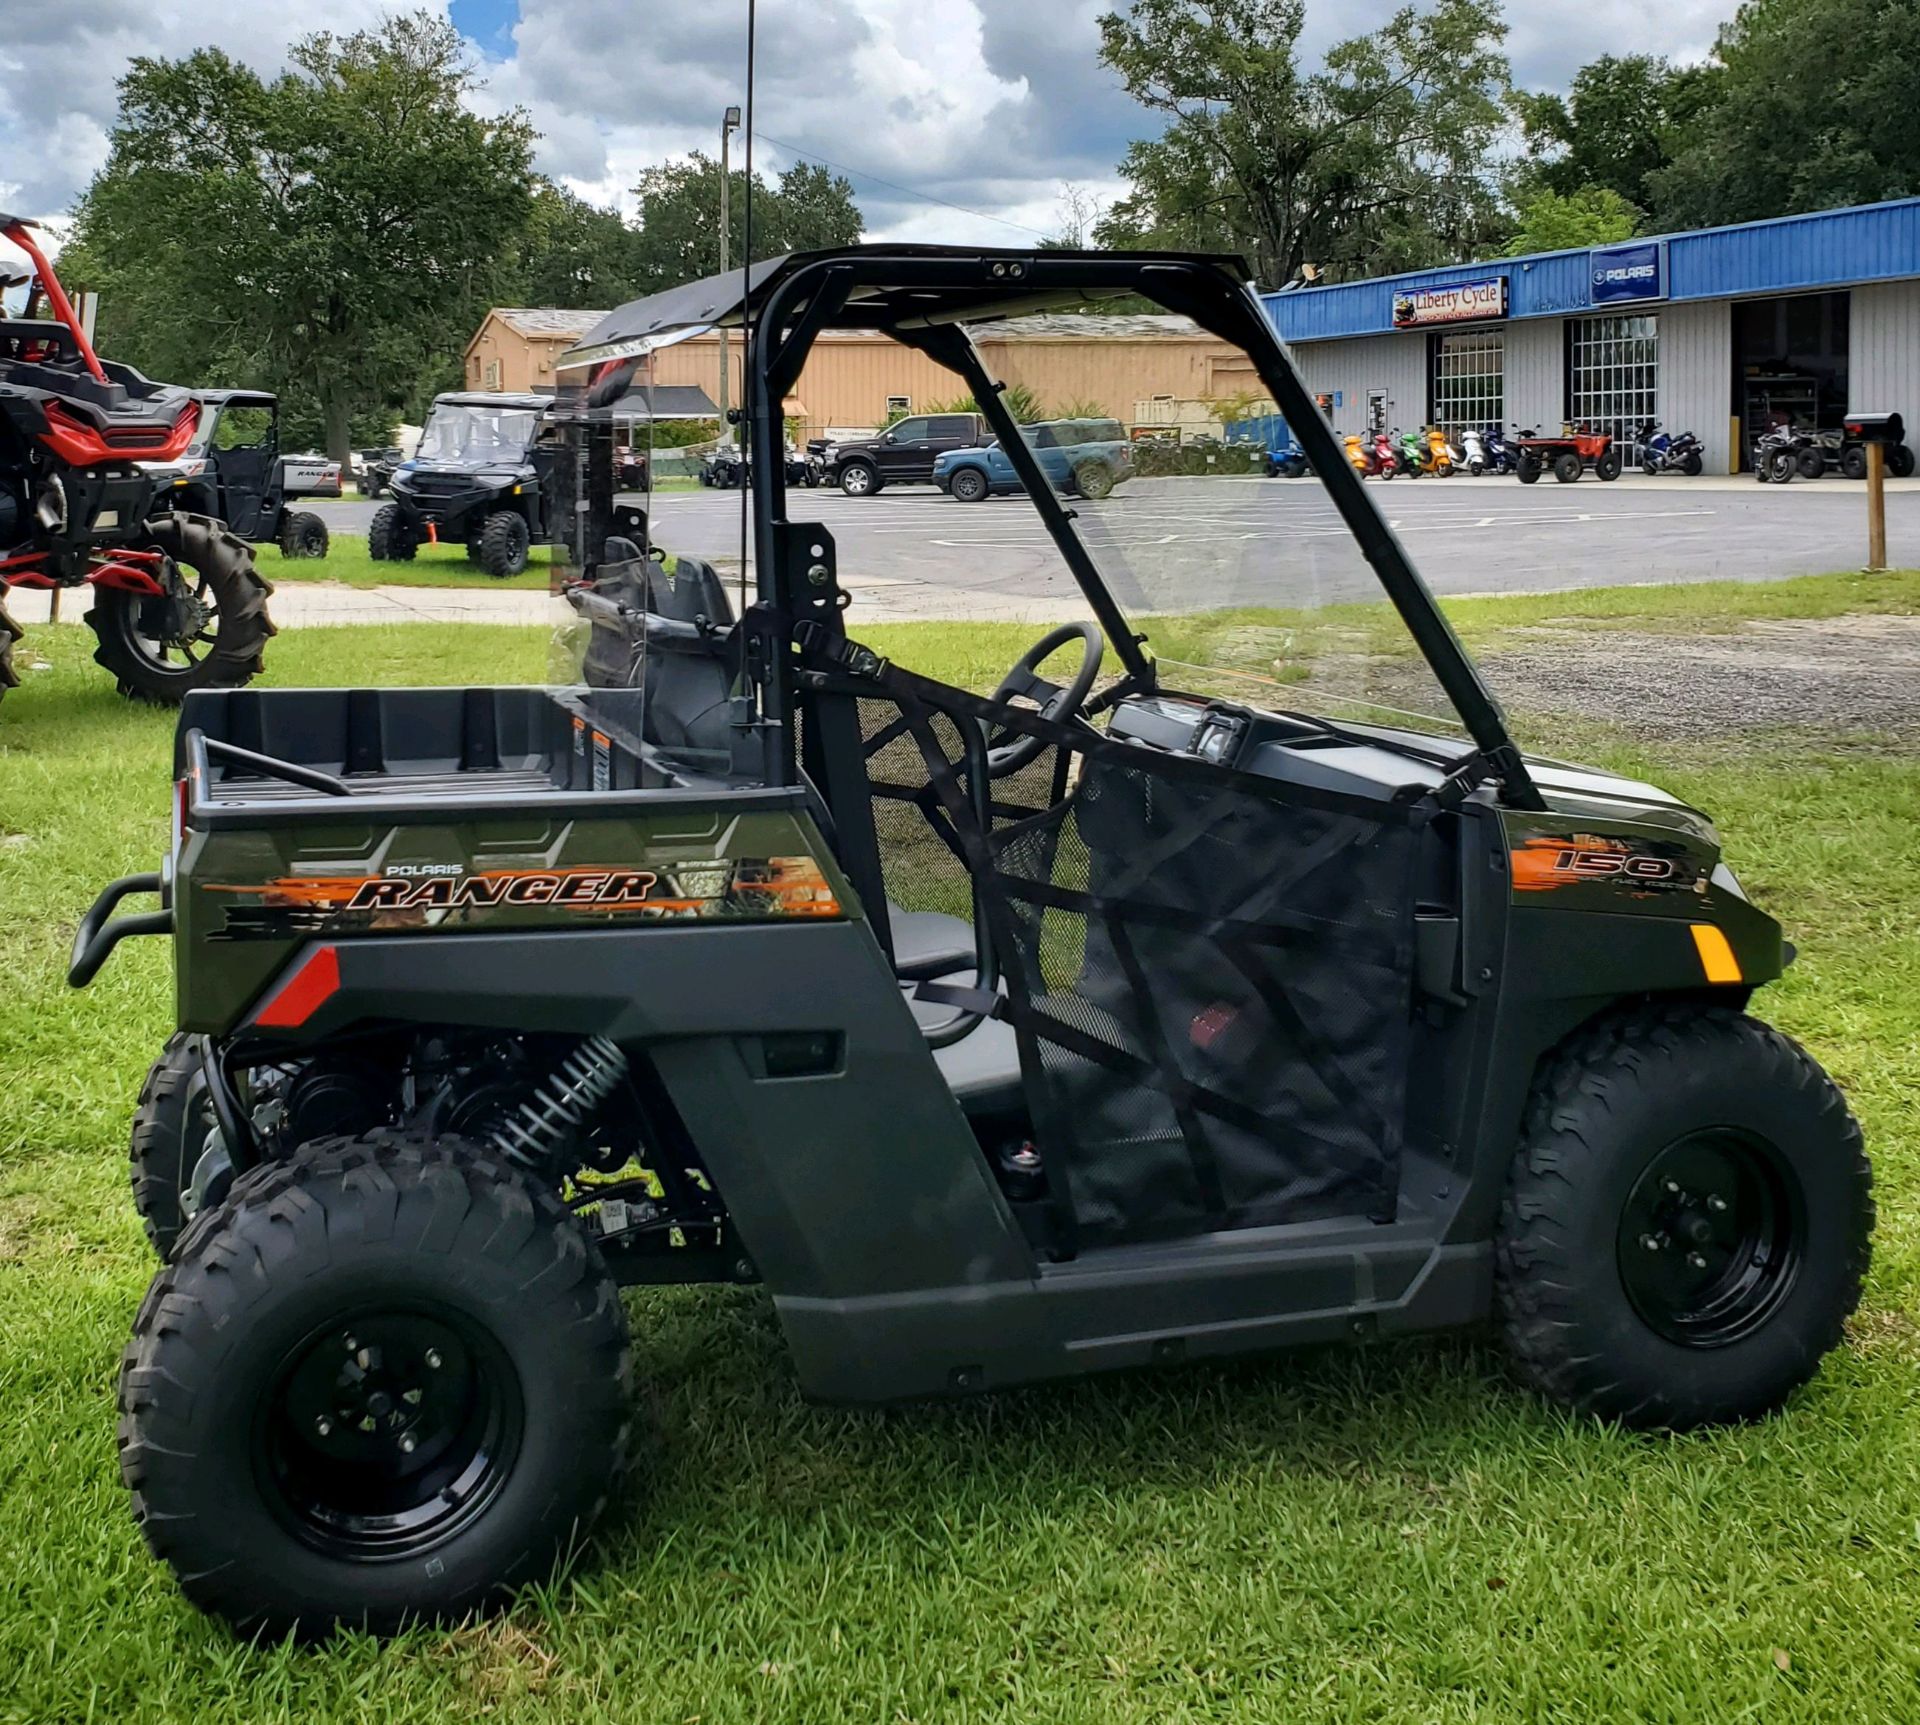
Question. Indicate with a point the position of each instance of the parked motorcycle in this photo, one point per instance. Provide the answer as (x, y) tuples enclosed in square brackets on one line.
[(1662, 452), (1785, 451)]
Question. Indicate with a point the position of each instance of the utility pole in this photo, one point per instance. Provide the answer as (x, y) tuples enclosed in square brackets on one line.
[(729, 124)]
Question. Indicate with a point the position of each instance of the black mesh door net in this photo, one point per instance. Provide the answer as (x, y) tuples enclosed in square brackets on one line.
[(1210, 976)]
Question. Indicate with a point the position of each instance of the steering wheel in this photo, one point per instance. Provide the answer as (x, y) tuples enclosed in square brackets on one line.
[(1054, 701)]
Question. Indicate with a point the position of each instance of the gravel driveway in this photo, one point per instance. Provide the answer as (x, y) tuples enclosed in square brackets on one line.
[(1857, 675)]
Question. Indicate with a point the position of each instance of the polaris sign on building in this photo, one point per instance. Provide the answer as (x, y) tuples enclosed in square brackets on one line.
[(1629, 274), (1724, 332)]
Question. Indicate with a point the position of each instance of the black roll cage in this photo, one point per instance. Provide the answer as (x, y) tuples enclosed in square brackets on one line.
[(924, 297)]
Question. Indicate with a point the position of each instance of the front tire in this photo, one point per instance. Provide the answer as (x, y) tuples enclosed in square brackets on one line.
[(10, 632), (968, 485), (386, 1381), (1527, 470), (1781, 467), (215, 618), (390, 536), (1900, 461), (1566, 467), (1688, 1221), (1810, 463), (504, 542), (1608, 466)]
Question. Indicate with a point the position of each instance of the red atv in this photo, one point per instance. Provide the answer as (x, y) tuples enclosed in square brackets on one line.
[(1566, 456), (177, 602)]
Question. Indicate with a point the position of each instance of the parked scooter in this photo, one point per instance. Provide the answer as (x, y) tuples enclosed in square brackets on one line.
[(1502, 457), (1442, 458), (1473, 452), (1373, 455), (1661, 452)]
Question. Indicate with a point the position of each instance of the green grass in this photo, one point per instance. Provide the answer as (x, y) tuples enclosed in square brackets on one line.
[(1387, 1533), (432, 566)]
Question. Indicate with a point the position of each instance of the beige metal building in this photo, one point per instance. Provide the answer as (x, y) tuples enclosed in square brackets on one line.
[(1114, 366)]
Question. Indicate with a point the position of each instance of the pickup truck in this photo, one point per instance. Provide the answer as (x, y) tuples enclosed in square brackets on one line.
[(903, 454), (1088, 457)]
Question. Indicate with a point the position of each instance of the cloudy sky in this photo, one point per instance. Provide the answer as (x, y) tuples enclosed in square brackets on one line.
[(956, 120)]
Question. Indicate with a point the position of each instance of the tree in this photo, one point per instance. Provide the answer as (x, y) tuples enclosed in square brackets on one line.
[(574, 254), (1615, 128), (1592, 216), (331, 234), (1377, 161), (1812, 107), (678, 239)]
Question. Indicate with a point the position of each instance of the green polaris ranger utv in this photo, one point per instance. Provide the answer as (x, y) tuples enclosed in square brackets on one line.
[(1235, 985)]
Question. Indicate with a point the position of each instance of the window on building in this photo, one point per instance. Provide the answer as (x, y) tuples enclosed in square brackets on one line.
[(1469, 380), (1613, 373), (899, 404)]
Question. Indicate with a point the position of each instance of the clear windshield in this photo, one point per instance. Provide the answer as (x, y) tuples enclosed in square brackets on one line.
[(1186, 487), (464, 433)]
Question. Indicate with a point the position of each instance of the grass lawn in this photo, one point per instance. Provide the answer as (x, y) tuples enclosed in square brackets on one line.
[(1387, 1533), (432, 566)]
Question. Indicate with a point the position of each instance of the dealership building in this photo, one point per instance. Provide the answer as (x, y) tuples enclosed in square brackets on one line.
[(1722, 332)]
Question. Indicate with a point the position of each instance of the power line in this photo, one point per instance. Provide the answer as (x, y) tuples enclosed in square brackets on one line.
[(894, 185)]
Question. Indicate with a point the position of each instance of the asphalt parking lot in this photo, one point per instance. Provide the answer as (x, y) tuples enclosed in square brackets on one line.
[(1196, 543)]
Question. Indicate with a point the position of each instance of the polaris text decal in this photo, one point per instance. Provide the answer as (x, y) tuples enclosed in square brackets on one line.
[(448, 896)]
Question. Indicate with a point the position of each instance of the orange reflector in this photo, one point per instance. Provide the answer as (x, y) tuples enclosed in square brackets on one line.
[(303, 993), (1716, 957)]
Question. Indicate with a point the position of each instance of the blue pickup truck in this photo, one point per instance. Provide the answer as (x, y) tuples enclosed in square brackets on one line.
[(1084, 456)]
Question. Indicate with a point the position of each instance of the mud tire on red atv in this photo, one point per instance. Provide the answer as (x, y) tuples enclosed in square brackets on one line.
[(10, 632), (232, 654)]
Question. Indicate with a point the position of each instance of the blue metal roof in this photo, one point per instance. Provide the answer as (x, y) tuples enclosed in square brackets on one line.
[(1832, 248)]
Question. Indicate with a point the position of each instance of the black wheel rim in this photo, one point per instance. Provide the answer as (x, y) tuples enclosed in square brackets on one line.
[(1711, 1238), (184, 620), (388, 1431)]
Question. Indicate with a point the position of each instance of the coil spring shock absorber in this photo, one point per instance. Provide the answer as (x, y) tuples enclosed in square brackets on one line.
[(562, 1104)]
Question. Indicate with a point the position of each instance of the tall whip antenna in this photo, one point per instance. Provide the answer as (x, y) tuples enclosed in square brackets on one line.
[(747, 324)]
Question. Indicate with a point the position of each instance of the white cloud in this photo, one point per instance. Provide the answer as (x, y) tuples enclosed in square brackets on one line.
[(986, 104)]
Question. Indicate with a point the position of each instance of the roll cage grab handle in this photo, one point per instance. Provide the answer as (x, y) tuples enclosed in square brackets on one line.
[(816, 292)]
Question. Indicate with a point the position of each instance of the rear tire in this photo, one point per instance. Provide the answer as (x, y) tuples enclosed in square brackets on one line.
[(304, 534), (390, 536), (171, 1123), (1692, 466), (1811, 463), (220, 628), (1853, 461), (1527, 470), (1566, 467), (1900, 461), (1625, 1293), (386, 1381), (1608, 466), (504, 541), (859, 479)]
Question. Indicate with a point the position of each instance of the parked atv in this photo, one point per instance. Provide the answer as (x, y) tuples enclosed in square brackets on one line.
[(177, 602), (482, 476), (375, 468), (234, 471), (1662, 452), (1567, 456)]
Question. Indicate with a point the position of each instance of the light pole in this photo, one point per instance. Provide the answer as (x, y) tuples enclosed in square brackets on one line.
[(729, 124)]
